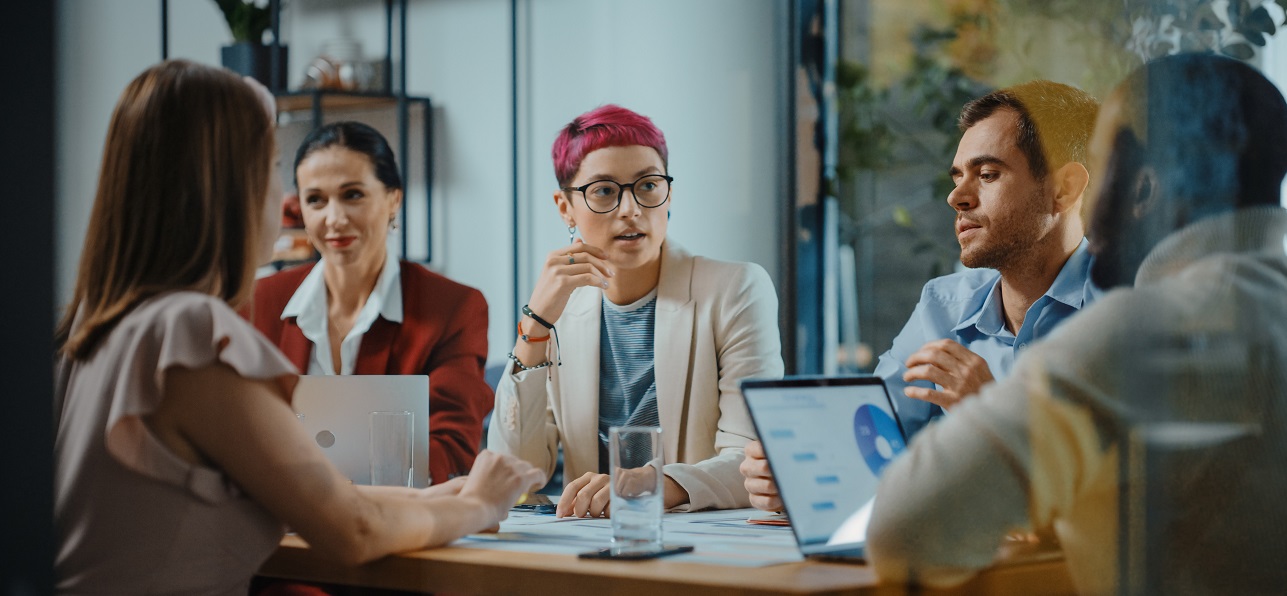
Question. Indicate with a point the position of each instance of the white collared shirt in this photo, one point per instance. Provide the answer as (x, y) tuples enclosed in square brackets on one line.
[(308, 306)]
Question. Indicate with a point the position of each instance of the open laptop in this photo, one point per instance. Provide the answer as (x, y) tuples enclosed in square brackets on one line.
[(827, 440), (336, 410)]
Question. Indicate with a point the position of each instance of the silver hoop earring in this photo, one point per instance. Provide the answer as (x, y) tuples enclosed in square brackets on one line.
[(571, 234)]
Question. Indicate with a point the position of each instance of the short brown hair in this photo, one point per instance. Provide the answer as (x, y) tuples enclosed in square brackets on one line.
[(180, 198), (1055, 121)]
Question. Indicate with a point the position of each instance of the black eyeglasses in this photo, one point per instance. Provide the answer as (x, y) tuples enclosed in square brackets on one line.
[(603, 196)]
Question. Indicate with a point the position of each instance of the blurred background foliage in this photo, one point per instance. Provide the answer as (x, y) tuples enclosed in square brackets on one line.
[(955, 55), (905, 70)]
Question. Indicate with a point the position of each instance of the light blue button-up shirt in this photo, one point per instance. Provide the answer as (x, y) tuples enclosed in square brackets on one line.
[(966, 307)]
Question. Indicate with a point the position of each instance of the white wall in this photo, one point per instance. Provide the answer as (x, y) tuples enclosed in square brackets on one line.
[(717, 102), (101, 47), (705, 72)]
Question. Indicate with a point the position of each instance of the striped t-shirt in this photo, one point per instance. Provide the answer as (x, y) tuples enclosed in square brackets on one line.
[(627, 384)]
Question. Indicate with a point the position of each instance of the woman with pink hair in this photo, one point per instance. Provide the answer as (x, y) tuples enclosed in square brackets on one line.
[(644, 333)]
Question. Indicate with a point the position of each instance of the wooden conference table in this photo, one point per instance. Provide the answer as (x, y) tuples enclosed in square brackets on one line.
[(459, 570)]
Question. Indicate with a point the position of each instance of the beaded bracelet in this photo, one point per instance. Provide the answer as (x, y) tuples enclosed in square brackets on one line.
[(529, 339), (521, 366)]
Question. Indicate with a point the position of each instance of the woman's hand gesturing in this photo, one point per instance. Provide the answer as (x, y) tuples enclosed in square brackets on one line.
[(567, 269)]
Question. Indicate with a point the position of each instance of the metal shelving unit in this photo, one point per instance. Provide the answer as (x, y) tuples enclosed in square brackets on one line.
[(393, 96)]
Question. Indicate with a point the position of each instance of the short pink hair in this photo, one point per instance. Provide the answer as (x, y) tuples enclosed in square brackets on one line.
[(604, 126)]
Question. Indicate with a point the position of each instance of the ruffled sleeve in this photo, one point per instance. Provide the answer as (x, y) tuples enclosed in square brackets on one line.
[(188, 330)]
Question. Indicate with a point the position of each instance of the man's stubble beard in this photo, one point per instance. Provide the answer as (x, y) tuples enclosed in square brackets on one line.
[(1005, 249)]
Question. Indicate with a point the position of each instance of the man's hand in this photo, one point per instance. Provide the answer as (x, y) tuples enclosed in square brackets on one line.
[(953, 367), (759, 480)]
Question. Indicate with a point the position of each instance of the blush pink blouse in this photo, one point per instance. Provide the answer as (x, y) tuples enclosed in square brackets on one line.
[(132, 517)]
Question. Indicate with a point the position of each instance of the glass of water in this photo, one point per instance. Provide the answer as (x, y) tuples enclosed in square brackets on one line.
[(638, 493)]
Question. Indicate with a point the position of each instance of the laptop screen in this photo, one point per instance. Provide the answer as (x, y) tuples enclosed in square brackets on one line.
[(827, 441)]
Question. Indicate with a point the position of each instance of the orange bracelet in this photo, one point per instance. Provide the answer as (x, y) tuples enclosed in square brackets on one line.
[(529, 339)]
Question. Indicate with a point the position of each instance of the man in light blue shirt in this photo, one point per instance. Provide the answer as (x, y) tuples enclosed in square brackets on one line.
[(1020, 174), (964, 310), (1148, 431)]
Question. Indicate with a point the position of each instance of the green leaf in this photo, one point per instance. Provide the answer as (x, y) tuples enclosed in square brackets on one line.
[(1254, 37), (228, 6), (1260, 22), (902, 217), (1241, 51), (246, 21), (850, 73)]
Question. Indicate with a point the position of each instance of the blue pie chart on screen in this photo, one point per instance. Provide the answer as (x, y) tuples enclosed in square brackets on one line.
[(878, 437)]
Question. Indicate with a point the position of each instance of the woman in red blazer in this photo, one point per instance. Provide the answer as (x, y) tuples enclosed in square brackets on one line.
[(361, 311)]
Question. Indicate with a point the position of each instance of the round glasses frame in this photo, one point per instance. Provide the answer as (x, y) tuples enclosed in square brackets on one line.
[(621, 191)]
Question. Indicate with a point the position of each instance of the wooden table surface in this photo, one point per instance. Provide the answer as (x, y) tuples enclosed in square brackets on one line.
[(483, 571)]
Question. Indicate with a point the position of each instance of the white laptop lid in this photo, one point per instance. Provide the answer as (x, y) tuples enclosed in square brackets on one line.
[(336, 411), (827, 441)]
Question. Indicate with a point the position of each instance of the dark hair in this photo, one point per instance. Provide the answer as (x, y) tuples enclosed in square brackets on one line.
[(180, 199), (1055, 121), (1214, 129), (358, 137)]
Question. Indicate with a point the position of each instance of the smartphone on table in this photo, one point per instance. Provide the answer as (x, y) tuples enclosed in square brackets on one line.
[(636, 553), (535, 503)]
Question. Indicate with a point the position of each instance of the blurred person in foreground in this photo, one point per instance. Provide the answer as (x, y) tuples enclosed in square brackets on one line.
[(361, 310), (1020, 172), (178, 461), (1187, 226)]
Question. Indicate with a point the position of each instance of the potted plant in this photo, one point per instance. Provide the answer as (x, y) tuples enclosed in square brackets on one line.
[(248, 55)]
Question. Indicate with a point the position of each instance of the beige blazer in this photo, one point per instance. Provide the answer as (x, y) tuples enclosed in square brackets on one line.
[(717, 324)]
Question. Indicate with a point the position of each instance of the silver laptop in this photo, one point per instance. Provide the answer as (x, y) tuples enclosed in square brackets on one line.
[(336, 412), (827, 440)]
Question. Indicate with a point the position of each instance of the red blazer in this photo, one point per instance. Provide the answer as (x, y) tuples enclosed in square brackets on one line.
[(443, 334)]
